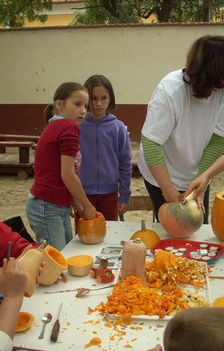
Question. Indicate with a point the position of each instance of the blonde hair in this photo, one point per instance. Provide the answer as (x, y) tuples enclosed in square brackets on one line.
[(196, 329)]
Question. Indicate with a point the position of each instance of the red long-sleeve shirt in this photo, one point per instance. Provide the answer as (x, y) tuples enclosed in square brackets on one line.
[(18, 242), (60, 137)]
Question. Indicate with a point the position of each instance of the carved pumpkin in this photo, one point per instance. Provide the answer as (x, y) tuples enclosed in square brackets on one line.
[(24, 321), (181, 219), (55, 264), (147, 236), (217, 217), (92, 231), (30, 262), (79, 265)]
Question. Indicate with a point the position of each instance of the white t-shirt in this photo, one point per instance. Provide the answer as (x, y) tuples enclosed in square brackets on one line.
[(183, 125), (5, 342)]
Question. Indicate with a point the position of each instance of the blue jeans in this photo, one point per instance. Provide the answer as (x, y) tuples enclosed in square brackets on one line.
[(49, 222)]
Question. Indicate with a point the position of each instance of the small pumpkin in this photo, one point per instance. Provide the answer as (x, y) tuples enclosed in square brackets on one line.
[(79, 265), (92, 231), (219, 302), (217, 217), (181, 219), (147, 236), (24, 321), (30, 262), (55, 264)]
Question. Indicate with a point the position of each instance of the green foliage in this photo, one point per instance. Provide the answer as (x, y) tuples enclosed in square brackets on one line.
[(95, 12), (13, 12), (132, 11)]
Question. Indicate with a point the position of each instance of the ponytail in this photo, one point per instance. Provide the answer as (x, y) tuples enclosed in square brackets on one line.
[(49, 112)]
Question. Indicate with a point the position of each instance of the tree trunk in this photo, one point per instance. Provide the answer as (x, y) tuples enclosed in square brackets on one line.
[(206, 10), (164, 13)]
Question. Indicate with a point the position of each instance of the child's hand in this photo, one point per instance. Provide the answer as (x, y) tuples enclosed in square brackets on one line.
[(88, 212), (156, 348), (13, 278), (121, 207)]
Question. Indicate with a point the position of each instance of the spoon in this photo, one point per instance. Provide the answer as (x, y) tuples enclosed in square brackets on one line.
[(45, 319), (84, 291)]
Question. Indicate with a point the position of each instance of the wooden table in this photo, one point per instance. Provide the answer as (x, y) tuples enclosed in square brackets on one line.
[(76, 330)]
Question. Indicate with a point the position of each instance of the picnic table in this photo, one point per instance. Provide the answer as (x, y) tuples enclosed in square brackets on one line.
[(77, 326), (23, 167)]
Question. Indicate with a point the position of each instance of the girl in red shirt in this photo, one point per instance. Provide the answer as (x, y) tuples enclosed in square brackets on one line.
[(56, 187)]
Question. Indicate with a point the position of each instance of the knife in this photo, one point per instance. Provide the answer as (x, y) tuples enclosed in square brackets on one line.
[(56, 327)]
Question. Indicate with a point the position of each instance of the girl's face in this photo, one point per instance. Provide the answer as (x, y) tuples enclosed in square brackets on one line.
[(74, 107), (99, 102)]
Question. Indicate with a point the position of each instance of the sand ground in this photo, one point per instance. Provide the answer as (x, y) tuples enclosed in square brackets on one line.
[(14, 192)]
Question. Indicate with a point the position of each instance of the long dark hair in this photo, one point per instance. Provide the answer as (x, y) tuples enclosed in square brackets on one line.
[(99, 80), (205, 65), (63, 92)]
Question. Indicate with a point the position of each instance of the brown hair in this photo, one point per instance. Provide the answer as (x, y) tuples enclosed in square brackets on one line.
[(205, 65), (99, 80), (63, 92), (196, 329)]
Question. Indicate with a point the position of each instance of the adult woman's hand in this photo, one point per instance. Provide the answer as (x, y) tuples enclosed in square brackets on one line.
[(171, 194)]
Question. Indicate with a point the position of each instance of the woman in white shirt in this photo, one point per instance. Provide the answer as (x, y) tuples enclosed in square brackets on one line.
[(183, 133)]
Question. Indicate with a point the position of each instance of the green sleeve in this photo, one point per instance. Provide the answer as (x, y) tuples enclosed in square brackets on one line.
[(153, 152), (213, 150)]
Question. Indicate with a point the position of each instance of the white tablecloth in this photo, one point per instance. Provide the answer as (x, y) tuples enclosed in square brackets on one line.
[(75, 330)]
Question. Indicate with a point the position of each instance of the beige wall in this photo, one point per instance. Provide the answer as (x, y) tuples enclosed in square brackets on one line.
[(34, 62)]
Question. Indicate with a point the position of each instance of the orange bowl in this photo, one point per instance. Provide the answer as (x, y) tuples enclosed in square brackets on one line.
[(24, 321)]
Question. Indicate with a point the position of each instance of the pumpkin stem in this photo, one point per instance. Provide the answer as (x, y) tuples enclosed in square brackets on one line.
[(143, 224), (189, 197), (42, 245)]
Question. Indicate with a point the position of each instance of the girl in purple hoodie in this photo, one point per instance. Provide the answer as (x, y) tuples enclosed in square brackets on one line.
[(105, 170)]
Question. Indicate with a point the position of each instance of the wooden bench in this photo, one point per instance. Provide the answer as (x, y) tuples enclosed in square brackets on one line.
[(139, 203), (15, 137), (23, 167)]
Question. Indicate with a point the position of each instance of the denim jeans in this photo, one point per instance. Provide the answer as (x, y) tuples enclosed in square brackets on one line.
[(49, 222), (157, 198)]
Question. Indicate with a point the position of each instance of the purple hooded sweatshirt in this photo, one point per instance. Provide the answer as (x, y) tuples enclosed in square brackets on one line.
[(106, 157)]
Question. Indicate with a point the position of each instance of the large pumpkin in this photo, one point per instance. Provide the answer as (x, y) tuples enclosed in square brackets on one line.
[(92, 231), (217, 218), (181, 219), (147, 236)]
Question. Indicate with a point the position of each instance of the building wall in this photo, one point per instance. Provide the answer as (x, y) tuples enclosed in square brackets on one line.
[(134, 57), (52, 21)]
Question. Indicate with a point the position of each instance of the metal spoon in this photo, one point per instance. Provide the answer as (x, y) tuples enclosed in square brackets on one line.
[(84, 291), (45, 319)]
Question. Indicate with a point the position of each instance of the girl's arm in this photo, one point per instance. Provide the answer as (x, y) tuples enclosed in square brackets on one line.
[(199, 184), (74, 186), (125, 169), (155, 159)]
